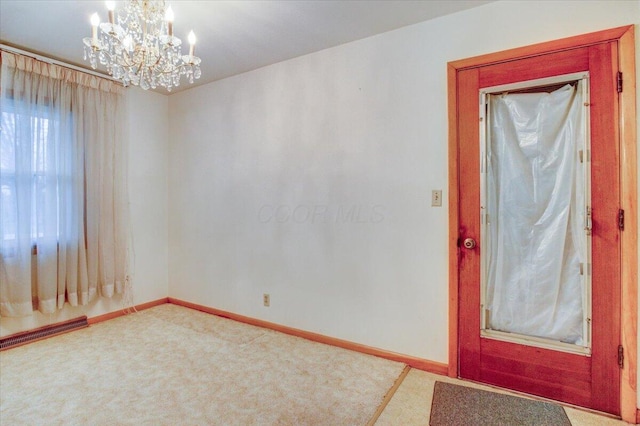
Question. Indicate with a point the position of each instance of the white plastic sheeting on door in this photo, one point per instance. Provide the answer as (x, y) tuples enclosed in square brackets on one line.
[(535, 200)]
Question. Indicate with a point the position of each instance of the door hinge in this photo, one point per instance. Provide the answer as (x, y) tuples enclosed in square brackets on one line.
[(619, 81), (621, 219), (620, 356)]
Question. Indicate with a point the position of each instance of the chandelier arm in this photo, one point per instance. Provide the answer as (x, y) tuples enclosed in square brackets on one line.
[(113, 58)]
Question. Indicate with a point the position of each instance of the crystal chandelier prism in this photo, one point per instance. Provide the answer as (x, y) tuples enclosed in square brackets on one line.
[(140, 48)]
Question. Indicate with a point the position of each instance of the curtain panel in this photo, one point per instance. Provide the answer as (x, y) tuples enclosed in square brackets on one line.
[(64, 225)]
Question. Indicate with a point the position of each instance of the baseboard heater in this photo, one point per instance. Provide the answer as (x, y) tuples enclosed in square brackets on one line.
[(22, 338)]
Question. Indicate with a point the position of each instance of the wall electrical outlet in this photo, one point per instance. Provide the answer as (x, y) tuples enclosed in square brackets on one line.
[(266, 300), (436, 198)]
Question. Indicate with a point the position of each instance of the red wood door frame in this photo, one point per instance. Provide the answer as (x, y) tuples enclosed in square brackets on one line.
[(624, 38)]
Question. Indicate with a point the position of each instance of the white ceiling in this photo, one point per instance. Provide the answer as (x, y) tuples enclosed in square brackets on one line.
[(233, 36)]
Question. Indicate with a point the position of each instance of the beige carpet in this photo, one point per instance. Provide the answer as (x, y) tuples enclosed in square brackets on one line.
[(172, 365)]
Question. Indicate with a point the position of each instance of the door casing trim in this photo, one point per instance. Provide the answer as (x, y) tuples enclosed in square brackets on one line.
[(624, 36)]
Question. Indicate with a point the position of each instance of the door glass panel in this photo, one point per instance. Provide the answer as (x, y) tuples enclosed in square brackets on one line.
[(536, 218)]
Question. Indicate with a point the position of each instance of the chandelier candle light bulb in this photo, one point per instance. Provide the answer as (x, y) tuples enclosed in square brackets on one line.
[(192, 44), (169, 17), (111, 6), (139, 47), (95, 21)]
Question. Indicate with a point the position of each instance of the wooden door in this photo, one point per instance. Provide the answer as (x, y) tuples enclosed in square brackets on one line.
[(591, 381)]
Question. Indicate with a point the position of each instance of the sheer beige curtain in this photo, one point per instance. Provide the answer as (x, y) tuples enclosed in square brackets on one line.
[(64, 228)]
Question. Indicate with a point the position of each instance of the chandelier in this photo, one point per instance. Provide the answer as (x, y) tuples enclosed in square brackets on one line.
[(140, 49)]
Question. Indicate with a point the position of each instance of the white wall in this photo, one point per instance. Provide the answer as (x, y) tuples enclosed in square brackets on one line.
[(148, 188), (148, 134), (358, 128)]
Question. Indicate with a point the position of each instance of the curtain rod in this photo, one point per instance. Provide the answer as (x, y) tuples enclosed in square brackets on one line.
[(56, 62)]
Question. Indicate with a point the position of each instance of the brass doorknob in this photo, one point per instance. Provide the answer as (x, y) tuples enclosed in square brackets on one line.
[(469, 243)]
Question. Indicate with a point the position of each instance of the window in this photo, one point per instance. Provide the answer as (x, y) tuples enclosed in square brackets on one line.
[(30, 133)]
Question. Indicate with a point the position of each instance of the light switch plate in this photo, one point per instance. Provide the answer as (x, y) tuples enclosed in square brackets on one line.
[(436, 198)]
